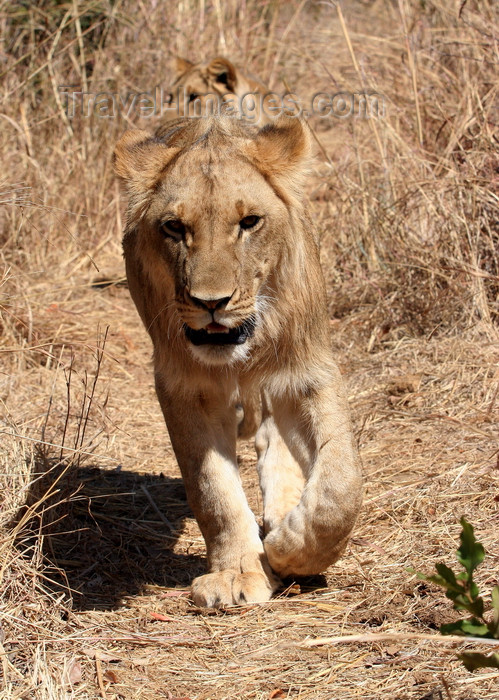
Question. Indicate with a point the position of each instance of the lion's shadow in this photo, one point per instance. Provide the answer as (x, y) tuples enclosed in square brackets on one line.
[(107, 534), (111, 533)]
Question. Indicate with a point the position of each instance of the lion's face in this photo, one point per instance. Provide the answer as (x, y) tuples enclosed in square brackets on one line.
[(218, 76), (210, 228), (218, 238), (200, 89)]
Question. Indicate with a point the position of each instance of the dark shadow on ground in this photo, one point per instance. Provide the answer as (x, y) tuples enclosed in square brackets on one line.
[(108, 533), (306, 584)]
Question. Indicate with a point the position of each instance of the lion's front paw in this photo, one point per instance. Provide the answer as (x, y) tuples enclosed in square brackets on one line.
[(286, 560), (301, 552), (230, 587)]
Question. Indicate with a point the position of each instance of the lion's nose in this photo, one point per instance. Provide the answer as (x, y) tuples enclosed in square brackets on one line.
[(210, 303)]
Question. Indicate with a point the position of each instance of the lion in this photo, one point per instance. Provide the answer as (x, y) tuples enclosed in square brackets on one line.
[(200, 89), (223, 266)]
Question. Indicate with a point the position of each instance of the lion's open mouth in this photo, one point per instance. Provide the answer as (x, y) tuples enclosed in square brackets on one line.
[(213, 335)]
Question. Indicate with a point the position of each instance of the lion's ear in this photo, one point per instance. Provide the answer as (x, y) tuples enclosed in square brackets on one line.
[(223, 72), (139, 160), (281, 150), (182, 65)]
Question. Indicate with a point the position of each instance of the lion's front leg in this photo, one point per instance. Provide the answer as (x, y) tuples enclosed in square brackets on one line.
[(203, 436), (315, 430), (280, 471)]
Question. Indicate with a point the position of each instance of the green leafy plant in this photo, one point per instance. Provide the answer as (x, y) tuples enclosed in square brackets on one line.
[(465, 595)]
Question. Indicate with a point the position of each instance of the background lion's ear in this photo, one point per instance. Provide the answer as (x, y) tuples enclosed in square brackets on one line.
[(224, 72), (182, 65), (281, 150), (139, 160)]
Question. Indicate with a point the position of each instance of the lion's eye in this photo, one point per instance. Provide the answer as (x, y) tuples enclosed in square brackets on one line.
[(223, 79), (249, 222), (193, 97), (173, 228)]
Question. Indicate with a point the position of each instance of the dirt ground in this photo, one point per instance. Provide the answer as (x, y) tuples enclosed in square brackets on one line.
[(428, 444), (98, 545)]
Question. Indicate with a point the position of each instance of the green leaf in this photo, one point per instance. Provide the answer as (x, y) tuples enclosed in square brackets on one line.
[(449, 578), (494, 624), (474, 592), (462, 602), (472, 628), (474, 660), (476, 607), (475, 628), (465, 595), (495, 600), (471, 553), (452, 628)]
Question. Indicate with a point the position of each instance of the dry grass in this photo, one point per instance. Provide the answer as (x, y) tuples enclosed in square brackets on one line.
[(96, 543)]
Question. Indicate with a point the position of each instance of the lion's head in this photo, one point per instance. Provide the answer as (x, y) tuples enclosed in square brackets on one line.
[(199, 89), (221, 262)]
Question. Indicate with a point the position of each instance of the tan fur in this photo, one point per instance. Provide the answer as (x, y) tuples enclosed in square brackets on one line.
[(210, 174), (217, 77)]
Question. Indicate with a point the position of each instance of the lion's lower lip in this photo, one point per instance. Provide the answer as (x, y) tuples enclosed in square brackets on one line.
[(230, 336)]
